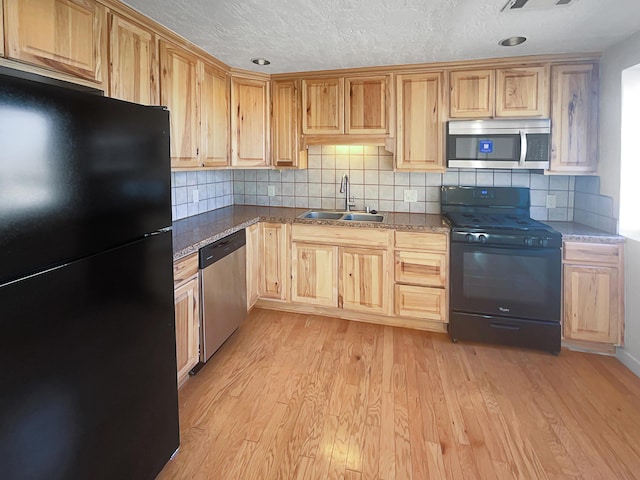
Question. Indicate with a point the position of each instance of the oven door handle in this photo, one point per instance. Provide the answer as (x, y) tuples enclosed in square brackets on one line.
[(523, 147), (504, 326)]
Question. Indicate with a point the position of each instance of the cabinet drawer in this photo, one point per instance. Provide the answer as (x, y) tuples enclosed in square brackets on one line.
[(421, 302), (608, 254), (348, 236), (422, 241), (421, 268), (184, 269)]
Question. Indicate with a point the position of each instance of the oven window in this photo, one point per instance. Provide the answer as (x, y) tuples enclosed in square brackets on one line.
[(505, 277), (515, 282)]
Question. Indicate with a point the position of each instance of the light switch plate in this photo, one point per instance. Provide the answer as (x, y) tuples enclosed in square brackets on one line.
[(271, 190), (410, 196), (551, 201)]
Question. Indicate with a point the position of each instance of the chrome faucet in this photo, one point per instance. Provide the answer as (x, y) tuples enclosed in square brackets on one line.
[(344, 188)]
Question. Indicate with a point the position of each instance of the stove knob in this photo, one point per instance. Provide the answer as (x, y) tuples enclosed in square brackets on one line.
[(468, 237), (528, 241), (543, 242), (482, 238)]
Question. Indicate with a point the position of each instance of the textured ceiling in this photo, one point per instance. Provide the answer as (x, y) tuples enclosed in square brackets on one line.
[(300, 35)]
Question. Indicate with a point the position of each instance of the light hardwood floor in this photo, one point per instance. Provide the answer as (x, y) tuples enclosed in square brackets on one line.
[(294, 396)]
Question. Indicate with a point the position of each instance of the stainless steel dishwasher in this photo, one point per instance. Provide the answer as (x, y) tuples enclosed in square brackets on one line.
[(223, 290)]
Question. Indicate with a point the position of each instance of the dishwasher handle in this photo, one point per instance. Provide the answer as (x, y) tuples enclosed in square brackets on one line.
[(219, 249)]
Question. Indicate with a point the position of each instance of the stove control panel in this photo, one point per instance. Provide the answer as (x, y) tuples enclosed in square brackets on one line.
[(516, 239)]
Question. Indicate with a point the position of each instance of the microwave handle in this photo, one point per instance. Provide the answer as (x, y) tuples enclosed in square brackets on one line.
[(523, 148)]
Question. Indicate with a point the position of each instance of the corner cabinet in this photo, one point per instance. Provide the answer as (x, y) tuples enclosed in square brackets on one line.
[(593, 306), (250, 99), (253, 264), (66, 36), (274, 272), (187, 315), (286, 149), (420, 122), (133, 66), (574, 119)]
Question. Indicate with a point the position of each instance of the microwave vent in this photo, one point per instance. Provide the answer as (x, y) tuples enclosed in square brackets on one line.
[(523, 5)]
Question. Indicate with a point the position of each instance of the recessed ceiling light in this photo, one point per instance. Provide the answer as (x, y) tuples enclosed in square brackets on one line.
[(260, 61), (512, 41)]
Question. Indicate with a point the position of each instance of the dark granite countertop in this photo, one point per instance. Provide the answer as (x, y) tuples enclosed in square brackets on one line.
[(192, 233), (576, 232)]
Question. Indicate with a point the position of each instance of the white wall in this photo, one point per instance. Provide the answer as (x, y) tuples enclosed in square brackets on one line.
[(622, 55)]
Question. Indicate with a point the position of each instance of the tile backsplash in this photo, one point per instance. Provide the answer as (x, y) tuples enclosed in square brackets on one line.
[(593, 209), (375, 184), (214, 190)]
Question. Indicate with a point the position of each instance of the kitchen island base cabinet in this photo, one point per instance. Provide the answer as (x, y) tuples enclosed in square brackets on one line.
[(187, 311), (593, 296)]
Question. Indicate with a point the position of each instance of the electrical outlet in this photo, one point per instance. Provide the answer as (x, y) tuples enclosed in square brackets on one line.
[(410, 196), (271, 191), (196, 196), (551, 201)]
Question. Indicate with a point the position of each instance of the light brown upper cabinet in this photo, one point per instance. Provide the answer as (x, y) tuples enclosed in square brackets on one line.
[(286, 150), (367, 105), (504, 92), (420, 122), (522, 92), (351, 105), (323, 102), (67, 36), (178, 91), (133, 67), (250, 99), (574, 119), (214, 116), (472, 93), (1, 29)]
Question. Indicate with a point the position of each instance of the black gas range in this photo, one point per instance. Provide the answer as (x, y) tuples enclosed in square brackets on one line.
[(505, 269)]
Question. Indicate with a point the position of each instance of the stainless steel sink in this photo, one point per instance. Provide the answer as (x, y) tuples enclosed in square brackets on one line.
[(343, 216), (363, 217), (322, 215)]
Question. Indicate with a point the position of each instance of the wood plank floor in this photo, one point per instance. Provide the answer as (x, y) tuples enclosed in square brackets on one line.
[(305, 397)]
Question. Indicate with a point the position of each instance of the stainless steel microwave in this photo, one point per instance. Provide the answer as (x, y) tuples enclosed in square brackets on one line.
[(512, 143)]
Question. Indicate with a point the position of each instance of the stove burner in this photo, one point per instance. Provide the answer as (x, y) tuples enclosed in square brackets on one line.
[(495, 221)]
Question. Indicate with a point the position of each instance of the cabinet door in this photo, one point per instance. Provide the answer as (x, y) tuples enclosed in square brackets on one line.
[(1, 29), (214, 116), (421, 268), (472, 94), (420, 122), (285, 128), (592, 304), (323, 102), (364, 280), (421, 302), (522, 92), (253, 264), (274, 259), (67, 36), (133, 66), (367, 105), (187, 328), (178, 91), (315, 274), (574, 119), (249, 122)]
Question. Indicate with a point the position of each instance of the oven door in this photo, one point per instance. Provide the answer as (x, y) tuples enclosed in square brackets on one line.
[(506, 281)]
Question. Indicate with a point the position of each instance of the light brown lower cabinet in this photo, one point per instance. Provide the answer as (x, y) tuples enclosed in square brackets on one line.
[(364, 280), (187, 310), (421, 275), (593, 289), (253, 264), (314, 274)]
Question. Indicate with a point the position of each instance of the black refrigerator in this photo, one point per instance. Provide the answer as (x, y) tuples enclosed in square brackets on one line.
[(87, 329)]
